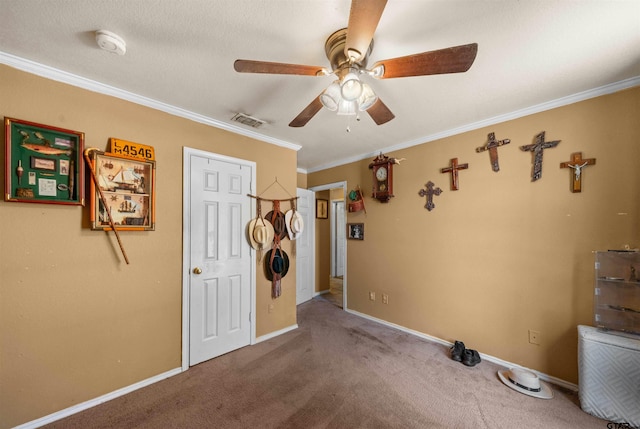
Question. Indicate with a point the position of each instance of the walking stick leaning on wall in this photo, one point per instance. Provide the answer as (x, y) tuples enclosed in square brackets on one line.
[(104, 201)]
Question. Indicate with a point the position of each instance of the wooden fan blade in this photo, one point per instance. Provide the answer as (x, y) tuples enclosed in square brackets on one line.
[(456, 59), (250, 66), (380, 113), (308, 113), (363, 20)]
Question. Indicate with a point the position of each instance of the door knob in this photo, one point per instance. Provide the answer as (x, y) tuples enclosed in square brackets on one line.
[(197, 270)]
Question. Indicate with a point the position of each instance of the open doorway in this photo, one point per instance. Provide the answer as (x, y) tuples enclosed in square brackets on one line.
[(331, 254), (338, 251)]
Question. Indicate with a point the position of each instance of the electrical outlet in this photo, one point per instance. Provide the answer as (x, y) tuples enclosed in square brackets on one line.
[(385, 298), (534, 337), (372, 296), (270, 308)]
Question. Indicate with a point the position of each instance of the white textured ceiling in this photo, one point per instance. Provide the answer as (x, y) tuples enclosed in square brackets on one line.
[(180, 55)]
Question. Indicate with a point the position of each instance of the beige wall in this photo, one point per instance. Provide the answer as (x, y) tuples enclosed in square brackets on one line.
[(302, 180), (337, 194), (498, 257), (76, 322), (501, 255)]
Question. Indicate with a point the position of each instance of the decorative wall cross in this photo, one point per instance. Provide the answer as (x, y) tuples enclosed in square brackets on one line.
[(537, 148), (576, 164), (430, 192), (454, 172), (492, 146)]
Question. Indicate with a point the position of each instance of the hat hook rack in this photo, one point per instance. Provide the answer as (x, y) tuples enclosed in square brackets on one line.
[(291, 198)]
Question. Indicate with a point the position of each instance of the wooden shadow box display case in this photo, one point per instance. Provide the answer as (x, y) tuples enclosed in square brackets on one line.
[(128, 186), (43, 164)]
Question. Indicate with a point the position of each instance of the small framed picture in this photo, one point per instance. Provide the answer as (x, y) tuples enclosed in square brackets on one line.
[(322, 209), (355, 231)]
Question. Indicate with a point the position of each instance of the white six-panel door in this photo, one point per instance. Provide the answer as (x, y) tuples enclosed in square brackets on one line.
[(220, 258), (305, 261)]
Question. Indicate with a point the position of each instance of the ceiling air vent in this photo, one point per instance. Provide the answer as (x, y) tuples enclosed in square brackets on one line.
[(248, 120)]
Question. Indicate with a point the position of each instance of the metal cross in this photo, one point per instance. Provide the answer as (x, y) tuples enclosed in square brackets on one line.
[(537, 148), (577, 163), (454, 172), (492, 146), (430, 192)]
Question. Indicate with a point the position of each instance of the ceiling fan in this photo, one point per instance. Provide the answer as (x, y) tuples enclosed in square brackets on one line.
[(348, 50)]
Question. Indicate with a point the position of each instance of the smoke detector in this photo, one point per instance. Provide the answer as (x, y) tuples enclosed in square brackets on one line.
[(111, 42)]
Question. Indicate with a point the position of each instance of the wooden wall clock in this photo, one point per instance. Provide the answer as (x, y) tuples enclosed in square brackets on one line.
[(382, 167)]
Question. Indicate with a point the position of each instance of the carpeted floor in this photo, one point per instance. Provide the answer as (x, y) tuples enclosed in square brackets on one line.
[(336, 370)]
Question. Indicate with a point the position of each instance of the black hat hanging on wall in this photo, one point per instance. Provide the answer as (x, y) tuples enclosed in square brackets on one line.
[(276, 266)]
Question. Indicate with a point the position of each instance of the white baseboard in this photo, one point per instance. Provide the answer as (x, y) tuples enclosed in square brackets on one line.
[(97, 401), (504, 363), (276, 333), (322, 292)]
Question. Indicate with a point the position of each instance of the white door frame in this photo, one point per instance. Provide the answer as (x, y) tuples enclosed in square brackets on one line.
[(334, 236), (326, 187), (186, 243)]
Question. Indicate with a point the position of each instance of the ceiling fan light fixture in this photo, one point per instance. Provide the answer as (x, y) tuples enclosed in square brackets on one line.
[(348, 51), (367, 98), (330, 98), (351, 87), (347, 107)]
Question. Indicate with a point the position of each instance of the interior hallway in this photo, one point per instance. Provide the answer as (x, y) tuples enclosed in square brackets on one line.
[(335, 293)]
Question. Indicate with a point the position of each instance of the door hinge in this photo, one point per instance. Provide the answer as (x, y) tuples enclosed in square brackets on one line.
[(249, 316)]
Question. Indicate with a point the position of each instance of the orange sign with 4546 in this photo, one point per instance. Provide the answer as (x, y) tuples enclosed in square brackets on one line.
[(131, 150)]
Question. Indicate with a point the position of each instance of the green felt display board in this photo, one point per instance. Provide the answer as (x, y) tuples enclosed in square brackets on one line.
[(43, 164)]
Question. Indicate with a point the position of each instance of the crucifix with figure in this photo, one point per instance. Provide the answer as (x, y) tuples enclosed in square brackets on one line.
[(577, 164), (492, 146), (537, 148), (454, 172)]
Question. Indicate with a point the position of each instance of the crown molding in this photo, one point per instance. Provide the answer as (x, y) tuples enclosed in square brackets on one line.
[(553, 104), (94, 86)]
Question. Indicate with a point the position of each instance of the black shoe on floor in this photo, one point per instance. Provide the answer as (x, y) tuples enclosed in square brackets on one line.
[(470, 357), (457, 351)]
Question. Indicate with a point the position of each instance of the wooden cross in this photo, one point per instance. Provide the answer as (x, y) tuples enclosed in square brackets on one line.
[(537, 148), (430, 192), (577, 163), (492, 146), (454, 172)]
